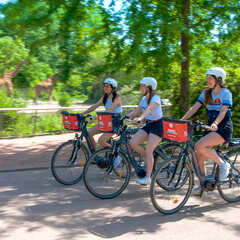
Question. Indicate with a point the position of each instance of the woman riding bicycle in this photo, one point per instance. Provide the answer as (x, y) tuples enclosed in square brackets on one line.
[(218, 101), (151, 110), (112, 103)]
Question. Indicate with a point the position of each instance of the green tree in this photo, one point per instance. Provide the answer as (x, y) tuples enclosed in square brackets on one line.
[(158, 34), (12, 51)]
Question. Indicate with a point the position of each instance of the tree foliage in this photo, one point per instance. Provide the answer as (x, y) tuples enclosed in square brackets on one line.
[(173, 41)]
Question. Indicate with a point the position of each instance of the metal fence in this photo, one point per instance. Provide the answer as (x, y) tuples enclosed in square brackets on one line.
[(26, 122), (12, 119)]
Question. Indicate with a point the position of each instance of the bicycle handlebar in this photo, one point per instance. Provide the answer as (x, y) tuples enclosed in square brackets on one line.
[(202, 125), (80, 114), (128, 119)]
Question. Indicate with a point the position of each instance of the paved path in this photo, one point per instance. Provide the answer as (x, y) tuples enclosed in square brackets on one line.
[(34, 207), (30, 152)]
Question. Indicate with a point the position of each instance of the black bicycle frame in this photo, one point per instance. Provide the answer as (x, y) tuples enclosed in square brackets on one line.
[(78, 142), (189, 148), (86, 136)]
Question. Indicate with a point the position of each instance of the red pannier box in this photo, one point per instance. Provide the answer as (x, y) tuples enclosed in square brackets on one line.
[(108, 122), (176, 130), (71, 121)]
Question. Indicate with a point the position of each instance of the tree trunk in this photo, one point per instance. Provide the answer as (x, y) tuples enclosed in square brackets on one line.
[(185, 38)]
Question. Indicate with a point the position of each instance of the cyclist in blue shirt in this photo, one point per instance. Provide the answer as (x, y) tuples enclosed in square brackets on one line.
[(150, 110), (218, 101), (112, 103)]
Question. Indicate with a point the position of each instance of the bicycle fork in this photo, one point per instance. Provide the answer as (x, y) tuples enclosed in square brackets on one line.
[(75, 151), (180, 163)]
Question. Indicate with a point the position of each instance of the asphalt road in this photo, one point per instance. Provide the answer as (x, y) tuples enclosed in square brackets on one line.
[(34, 206)]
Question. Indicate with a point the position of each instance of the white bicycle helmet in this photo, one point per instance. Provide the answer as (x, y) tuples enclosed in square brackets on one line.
[(217, 72), (111, 81), (149, 81)]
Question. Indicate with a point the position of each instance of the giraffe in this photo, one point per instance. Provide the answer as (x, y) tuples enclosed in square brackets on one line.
[(6, 78), (46, 86)]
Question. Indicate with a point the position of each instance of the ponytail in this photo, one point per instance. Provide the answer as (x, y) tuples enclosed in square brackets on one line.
[(105, 96), (114, 93), (151, 93), (208, 96)]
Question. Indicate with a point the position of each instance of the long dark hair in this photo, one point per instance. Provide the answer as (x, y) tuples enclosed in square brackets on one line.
[(151, 93), (105, 96), (208, 92)]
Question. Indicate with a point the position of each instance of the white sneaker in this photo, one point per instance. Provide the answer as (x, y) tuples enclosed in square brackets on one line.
[(117, 161), (197, 191), (224, 171), (144, 181)]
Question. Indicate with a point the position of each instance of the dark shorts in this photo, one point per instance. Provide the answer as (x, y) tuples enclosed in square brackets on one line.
[(225, 128), (154, 128)]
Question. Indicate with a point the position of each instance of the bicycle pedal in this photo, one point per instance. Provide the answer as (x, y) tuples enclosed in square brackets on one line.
[(141, 173)]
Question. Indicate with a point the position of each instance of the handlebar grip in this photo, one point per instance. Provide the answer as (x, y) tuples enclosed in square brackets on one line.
[(65, 112), (89, 116), (206, 127), (202, 125)]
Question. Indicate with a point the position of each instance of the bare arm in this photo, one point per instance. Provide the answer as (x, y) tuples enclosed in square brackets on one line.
[(221, 114), (151, 106), (117, 102), (135, 112), (149, 109), (94, 106), (191, 111), (220, 117)]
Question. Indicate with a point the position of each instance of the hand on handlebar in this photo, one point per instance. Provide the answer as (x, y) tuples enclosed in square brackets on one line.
[(136, 120), (199, 124), (213, 127)]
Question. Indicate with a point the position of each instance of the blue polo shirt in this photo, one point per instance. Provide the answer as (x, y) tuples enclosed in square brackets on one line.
[(224, 97)]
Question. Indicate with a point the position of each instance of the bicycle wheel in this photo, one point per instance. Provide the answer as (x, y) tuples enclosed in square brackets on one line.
[(67, 162), (169, 149), (170, 190), (106, 180), (140, 161), (229, 190)]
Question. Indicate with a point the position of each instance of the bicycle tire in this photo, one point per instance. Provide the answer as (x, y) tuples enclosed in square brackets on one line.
[(100, 180), (169, 149), (167, 197), (64, 168), (229, 190)]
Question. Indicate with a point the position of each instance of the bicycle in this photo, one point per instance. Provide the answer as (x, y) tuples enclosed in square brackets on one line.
[(69, 158), (173, 181), (110, 180)]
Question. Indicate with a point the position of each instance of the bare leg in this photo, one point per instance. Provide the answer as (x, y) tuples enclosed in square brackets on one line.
[(103, 140), (9, 89), (153, 141), (50, 95), (138, 138), (204, 149), (93, 131)]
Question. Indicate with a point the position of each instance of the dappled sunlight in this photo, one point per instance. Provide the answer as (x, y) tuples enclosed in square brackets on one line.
[(33, 202), (30, 152)]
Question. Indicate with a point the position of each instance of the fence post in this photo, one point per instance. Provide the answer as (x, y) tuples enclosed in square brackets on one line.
[(36, 111), (35, 122), (1, 123)]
